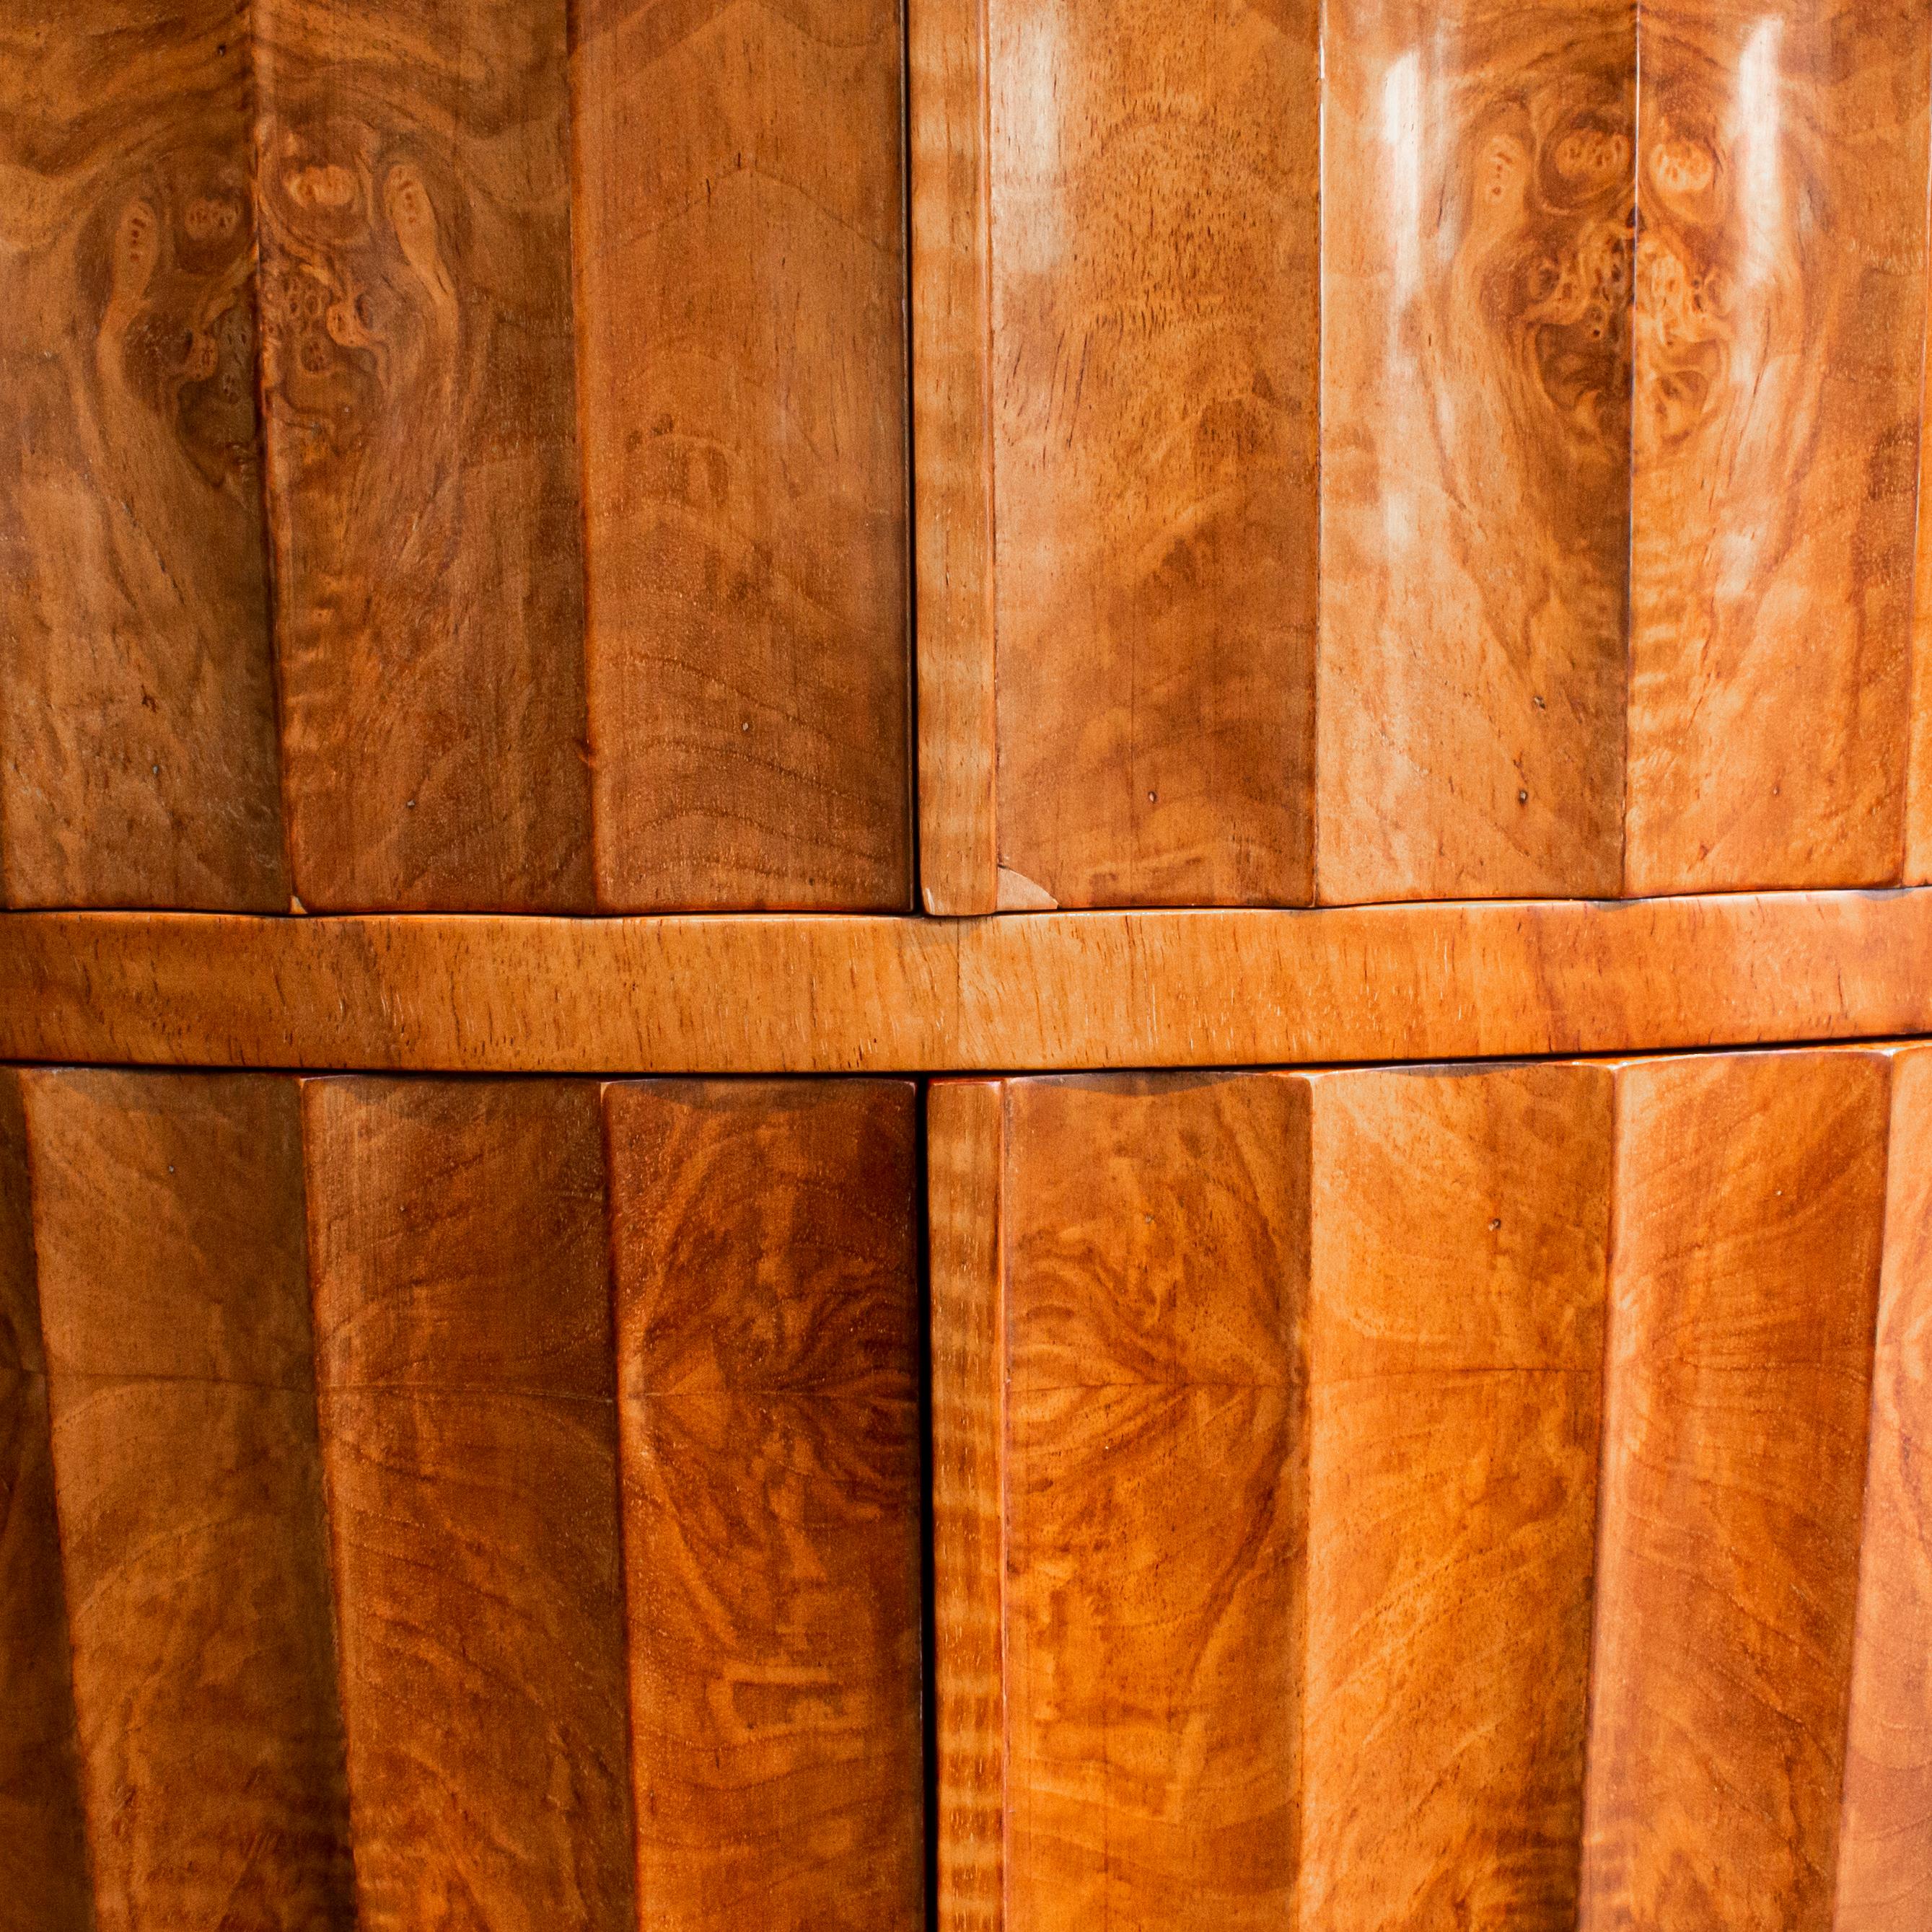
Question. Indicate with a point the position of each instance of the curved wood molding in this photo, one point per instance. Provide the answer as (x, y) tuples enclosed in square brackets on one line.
[(796, 994)]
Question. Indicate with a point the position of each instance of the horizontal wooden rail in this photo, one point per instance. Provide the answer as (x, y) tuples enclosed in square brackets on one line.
[(774, 993)]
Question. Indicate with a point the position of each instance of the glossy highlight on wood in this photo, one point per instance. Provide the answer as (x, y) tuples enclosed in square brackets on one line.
[(1781, 295), (1477, 218), (418, 369), (740, 238), (767, 1304)]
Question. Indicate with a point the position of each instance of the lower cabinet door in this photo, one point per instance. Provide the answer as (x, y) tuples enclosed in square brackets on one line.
[(1488, 1495), (1441, 1497), (470, 1503)]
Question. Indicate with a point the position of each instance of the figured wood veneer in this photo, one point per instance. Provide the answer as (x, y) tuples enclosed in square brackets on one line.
[(137, 707), (44, 1884), (767, 1303), (456, 1233), (1748, 1223), (412, 173), (168, 1225), (1459, 1227), (740, 235), (1885, 1852)]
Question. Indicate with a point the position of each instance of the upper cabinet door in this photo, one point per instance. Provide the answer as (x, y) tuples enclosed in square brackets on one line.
[(1578, 562)]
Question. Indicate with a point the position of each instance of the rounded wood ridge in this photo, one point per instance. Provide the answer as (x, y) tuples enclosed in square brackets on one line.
[(809, 994)]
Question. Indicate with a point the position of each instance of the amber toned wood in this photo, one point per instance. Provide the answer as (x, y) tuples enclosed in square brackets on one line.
[(1155, 1272), (1919, 778), (137, 749), (1780, 301), (44, 1886), (965, 1125), (1478, 176), (1746, 1235), (1885, 1850), (418, 365), (767, 1316), (457, 1235), (168, 1223), (740, 230), (1459, 1221), (1154, 245), (840, 995), (952, 453)]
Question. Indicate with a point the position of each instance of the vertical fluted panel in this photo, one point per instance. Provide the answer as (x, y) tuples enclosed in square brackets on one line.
[(1478, 180), (464, 1359), (418, 373), (1779, 317), (1746, 1235), (740, 235), (174, 1293), (1885, 1849), (137, 709), (766, 1277), (1458, 1245), (44, 1885)]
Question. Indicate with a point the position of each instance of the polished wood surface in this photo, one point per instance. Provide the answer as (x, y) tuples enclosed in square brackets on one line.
[(1458, 1230), (1748, 1224), (966, 1219), (1885, 1852), (137, 718), (767, 1308), (1156, 1259), (418, 372), (951, 319), (764, 995), (740, 235), (1477, 179), (168, 1224), (44, 1883), (1154, 235), (458, 1238), (1779, 321)]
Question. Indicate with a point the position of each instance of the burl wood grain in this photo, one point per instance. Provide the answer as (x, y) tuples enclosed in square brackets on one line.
[(1478, 179), (965, 1159), (1746, 1235), (44, 1886), (946, 50), (1155, 318), (137, 721), (174, 1296), (740, 226), (418, 365), (1884, 1846), (1458, 1221), (1156, 1268), (1779, 311), (767, 1279), (464, 1355)]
